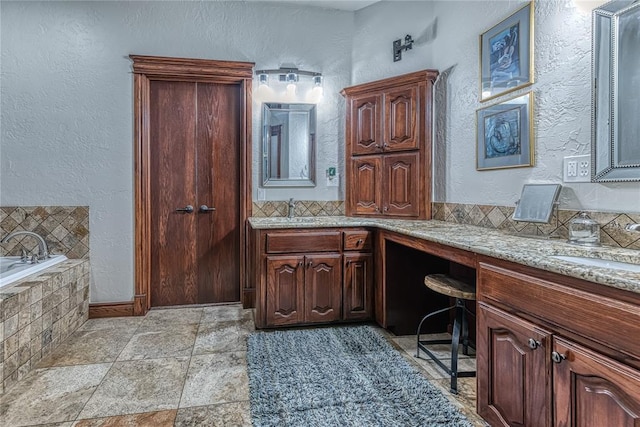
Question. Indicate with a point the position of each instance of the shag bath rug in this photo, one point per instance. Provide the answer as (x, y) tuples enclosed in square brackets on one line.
[(341, 376)]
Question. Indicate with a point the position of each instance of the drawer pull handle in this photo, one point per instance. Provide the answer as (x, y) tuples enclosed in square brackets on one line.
[(533, 344), (557, 357)]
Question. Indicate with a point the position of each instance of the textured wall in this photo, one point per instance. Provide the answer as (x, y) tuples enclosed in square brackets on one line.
[(562, 93), (66, 86)]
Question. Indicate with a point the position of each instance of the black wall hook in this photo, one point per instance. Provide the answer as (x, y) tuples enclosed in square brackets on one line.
[(398, 47)]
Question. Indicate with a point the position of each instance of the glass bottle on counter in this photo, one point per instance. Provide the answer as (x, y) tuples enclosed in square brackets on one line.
[(584, 231)]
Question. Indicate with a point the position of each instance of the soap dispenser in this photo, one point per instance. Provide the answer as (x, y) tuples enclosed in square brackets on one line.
[(584, 231)]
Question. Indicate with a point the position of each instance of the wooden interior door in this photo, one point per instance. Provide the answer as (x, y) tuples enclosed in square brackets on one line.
[(195, 193)]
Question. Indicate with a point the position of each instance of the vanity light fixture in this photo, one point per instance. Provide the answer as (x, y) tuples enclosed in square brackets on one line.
[(289, 75)]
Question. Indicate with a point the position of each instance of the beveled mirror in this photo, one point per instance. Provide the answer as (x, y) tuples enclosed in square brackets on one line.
[(615, 145), (288, 145)]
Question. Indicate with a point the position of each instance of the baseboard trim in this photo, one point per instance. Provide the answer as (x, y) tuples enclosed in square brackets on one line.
[(110, 309)]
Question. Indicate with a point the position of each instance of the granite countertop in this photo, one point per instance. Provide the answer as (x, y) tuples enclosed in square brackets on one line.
[(528, 251)]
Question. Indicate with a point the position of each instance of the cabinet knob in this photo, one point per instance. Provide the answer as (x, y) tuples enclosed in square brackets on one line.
[(310, 264), (300, 263), (533, 344), (359, 242), (386, 208), (557, 357), (349, 262), (385, 146), (377, 146)]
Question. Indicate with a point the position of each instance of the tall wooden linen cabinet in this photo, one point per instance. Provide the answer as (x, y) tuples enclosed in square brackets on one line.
[(388, 146)]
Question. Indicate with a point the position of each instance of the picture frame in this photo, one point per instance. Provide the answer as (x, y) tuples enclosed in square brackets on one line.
[(506, 54), (504, 134)]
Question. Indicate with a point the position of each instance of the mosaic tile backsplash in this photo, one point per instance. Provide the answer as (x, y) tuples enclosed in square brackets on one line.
[(65, 229), (302, 208), (612, 232)]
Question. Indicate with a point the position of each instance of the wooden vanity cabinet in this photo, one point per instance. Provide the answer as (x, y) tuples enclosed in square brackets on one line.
[(357, 286), (304, 278), (555, 351), (388, 149)]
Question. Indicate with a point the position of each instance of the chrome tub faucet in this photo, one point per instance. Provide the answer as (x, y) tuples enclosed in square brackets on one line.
[(42, 244)]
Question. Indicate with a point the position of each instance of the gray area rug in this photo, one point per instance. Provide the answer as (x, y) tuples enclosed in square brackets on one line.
[(341, 376)]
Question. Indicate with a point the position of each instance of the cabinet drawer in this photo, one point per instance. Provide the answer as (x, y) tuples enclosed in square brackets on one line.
[(358, 240), (606, 320), (307, 241)]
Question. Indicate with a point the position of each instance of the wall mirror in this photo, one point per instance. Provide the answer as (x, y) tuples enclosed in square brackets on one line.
[(615, 146), (288, 145)]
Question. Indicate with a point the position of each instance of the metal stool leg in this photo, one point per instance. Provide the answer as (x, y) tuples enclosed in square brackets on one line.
[(455, 341), (465, 333), (420, 326)]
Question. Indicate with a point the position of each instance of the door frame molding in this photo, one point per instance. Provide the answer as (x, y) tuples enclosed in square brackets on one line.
[(146, 69)]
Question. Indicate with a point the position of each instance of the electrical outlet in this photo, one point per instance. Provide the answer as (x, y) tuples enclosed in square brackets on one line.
[(577, 168)]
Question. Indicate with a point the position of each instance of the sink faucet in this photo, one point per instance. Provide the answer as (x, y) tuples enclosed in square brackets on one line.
[(42, 245), (292, 207), (632, 227)]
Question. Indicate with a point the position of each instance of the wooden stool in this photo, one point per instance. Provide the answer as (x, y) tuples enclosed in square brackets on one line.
[(446, 285)]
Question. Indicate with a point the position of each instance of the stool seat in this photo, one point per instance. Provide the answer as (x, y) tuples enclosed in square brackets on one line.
[(461, 292), (449, 286)]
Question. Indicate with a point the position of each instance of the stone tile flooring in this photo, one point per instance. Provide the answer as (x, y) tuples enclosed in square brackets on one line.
[(174, 367)]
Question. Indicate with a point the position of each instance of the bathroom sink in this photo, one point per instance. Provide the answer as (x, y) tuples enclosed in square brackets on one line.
[(597, 262)]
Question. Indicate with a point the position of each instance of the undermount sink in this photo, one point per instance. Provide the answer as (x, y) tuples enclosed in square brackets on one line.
[(597, 262)]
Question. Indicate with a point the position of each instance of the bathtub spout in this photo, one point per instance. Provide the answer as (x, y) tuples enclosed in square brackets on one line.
[(42, 244)]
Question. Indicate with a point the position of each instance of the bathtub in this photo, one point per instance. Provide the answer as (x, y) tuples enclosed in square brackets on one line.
[(12, 269)]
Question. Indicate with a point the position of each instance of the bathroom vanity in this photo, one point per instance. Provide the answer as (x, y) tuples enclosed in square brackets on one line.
[(557, 343)]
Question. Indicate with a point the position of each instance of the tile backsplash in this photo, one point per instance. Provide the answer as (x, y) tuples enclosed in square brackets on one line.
[(302, 208), (612, 232), (65, 228)]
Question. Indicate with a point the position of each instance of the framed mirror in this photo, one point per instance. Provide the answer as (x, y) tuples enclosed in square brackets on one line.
[(615, 145), (288, 145)]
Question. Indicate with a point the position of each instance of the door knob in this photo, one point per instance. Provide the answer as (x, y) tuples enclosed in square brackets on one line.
[(205, 208), (186, 209)]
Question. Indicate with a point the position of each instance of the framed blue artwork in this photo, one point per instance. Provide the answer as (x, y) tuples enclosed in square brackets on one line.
[(506, 54), (505, 134)]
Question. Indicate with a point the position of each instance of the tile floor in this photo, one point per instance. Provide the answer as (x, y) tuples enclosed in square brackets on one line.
[(182, 367)]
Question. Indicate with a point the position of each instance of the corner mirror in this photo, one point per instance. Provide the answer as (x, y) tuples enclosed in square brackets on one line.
[(288, 145), (615, 145)]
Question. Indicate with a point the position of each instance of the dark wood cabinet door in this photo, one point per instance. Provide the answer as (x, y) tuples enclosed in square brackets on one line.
[(401, 124), (285, 290), (401, 195), (357, 298), (365, 129), (591, 390), (513, 372), (323, 288), (366, 185)]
